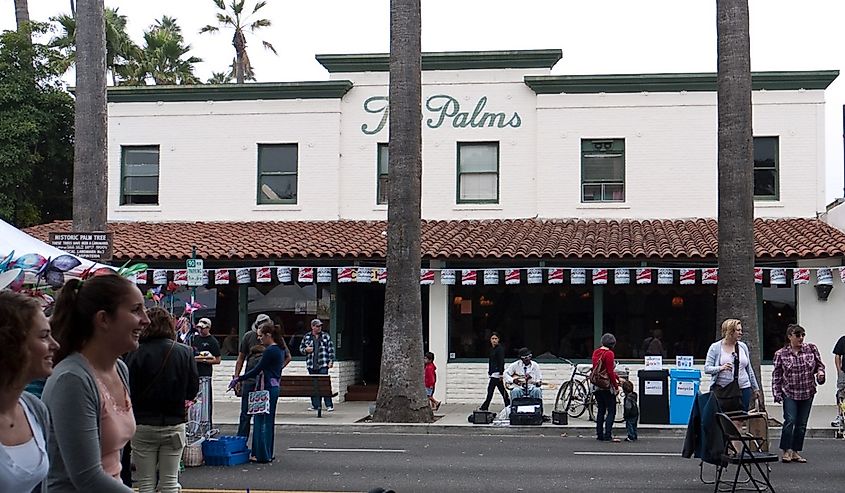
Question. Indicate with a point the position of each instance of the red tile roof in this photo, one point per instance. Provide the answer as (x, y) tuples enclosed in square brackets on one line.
[(474, 239)]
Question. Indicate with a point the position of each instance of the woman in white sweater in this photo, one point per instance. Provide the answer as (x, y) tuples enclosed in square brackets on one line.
[(721, 357)]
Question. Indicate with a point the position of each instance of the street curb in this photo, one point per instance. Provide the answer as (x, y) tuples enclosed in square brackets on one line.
[(486, 430)]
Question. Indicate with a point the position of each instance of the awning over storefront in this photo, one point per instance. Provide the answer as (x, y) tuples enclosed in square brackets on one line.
[(517, 239)]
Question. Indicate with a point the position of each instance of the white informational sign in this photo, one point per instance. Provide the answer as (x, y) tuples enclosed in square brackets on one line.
[(196, 273), (653, 362), (684, 388), (653, 387), (683, 361)]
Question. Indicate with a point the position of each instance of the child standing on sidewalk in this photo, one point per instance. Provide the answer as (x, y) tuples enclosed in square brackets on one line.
[(431, 380), (630, 410)]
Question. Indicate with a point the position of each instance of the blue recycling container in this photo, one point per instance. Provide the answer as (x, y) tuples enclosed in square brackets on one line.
[(683, 387)]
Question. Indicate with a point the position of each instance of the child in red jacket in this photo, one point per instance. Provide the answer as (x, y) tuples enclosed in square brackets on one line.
[(431, 380)]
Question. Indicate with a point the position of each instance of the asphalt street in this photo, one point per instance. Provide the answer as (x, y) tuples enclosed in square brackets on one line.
[(492, 463)]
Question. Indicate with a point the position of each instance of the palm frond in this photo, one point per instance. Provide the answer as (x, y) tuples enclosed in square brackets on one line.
[(220, 5), (226, 20), (259, 24), (209, 29), (238, 6), (270, 47), (258, 6)]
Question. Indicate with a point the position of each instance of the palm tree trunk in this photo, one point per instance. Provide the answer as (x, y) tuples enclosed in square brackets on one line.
[(401, 396), (737, 294), (90, 186), (72, 8), (239, 42), (21, 13)]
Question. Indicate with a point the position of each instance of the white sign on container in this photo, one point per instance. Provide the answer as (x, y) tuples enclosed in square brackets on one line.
[(653, 387), (654, 362), (684, 388), (683, 361)]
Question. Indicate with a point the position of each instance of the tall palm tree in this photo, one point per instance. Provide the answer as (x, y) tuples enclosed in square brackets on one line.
[(162, 58), (737, 294), (219, 78), (21, 13), (233, 16), (90, 188), (401, 396), (121, 51)]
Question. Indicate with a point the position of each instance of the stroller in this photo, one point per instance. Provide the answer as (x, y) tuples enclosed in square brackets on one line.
[(198, 428)]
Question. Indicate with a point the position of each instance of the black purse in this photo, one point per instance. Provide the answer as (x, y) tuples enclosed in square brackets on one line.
[(729, 396)]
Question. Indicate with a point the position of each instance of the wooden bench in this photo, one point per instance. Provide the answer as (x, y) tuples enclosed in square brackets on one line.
[(307, 386)]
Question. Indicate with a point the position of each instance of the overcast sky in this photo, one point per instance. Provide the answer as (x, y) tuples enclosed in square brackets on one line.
[(596, 36)]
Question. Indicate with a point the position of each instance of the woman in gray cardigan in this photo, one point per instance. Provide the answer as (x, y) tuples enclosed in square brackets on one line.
[(95, 321), (26, 354), (721, 357)]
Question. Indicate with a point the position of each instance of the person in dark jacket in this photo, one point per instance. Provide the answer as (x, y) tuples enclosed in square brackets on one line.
[(630, 410), (162, 375), (495, 370)]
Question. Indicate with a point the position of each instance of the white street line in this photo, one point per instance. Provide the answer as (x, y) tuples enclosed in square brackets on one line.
[(639, 454), (381, 450)]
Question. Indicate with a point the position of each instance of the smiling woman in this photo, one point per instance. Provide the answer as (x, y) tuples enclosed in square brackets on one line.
[(26, 353), (96, 321)]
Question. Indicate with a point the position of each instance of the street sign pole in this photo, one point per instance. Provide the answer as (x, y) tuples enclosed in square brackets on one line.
[(196, 277)]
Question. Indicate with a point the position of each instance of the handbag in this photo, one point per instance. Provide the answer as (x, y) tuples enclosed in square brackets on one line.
[(258, 401), (729, 396), (599, 376)]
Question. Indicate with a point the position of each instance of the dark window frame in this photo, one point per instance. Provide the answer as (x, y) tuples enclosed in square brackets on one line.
[(382, 175), (774, 169), (124, 194), (607, 146), (260, 199), (459, 173)]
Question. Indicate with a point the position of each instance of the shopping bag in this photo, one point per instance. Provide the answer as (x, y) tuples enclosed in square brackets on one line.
[(259, 402)]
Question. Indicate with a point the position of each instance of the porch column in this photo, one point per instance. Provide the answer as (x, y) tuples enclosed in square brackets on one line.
[(438, 332)]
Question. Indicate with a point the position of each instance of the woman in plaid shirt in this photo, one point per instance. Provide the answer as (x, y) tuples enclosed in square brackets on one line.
[(798, 366)]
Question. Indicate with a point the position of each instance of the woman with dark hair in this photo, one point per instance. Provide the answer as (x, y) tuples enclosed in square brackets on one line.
[(26, 353), (495, 371), (162, 375), (606, 385), (95, 321), (269, 372), (797, 368)]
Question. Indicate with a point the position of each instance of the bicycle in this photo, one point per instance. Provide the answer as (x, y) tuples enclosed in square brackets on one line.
[(575, 396)]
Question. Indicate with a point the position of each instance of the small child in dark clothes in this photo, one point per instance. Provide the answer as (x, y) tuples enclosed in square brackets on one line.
[(630, 410)]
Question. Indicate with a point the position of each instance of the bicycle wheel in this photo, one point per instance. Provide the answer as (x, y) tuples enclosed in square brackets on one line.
[(572, 398)]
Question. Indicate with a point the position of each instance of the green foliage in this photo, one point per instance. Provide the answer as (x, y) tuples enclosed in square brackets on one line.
[(233, 16), (163, 57), (220, 78), (36, 131)]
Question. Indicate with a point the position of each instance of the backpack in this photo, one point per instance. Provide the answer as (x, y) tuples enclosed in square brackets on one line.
[(598, 375)]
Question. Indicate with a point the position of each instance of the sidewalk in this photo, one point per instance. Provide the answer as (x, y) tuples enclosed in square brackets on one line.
[(452, 419)]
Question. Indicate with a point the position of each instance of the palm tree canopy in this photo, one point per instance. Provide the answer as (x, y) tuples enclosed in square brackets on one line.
[(234, 16), (163, 58), (120, 49)]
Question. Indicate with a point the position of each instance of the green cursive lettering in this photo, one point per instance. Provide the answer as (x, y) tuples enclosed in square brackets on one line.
[(371, 106)]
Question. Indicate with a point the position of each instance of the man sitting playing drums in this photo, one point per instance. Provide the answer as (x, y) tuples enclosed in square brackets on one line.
[(523, 376)]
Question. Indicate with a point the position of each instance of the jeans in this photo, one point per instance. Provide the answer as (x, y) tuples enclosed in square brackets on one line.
[(493, 384), (245, 419), (631, 428), (746, 398), (533, 391), (606, 402), (158, 448), (263, 436), (795, 416), (315, 401)]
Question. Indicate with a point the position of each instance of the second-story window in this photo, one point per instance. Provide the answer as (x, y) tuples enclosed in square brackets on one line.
[(603, 170), (478, 173), (139, 175), (381, 175), (277, 173), (766, 186)]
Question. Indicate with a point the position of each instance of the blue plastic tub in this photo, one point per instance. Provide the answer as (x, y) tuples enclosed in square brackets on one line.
[(233, 459), (223, 446)]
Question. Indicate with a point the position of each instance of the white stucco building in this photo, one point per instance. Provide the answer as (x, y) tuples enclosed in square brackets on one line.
[(521, 169)]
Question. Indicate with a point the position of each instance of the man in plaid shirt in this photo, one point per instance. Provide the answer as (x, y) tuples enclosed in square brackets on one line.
[(318, 349)]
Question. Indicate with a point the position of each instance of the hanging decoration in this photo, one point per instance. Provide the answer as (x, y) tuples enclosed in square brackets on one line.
[(283, 274), (535, 275), (306, 275), (599, 276), (491, 277), (324, 275), (511, 276), (555, 276), (643, 276), (468, 277), (262, 275), (778, 277), (141, 277), (622, 276), (382, 275), (243, 276), (426, 277), (665, 276), (824, 276), (710, 276), (221, 276), (687, 276), (180, 277), (159, 277), (758, 275), (578, 276), (365, 274), (447, 277)]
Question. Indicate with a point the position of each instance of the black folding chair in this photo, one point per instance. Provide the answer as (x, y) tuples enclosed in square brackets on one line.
[(743, 457)]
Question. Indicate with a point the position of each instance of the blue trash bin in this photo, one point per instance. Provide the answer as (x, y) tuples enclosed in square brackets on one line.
[(683, 387)]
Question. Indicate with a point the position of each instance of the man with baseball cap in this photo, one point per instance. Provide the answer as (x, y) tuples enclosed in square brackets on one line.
[(206, 353), (525, 376), (319, 357)]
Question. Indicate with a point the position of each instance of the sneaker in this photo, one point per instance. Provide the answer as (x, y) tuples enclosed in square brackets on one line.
[(630, 439), (312, 408), (329, 409), (835, 422)]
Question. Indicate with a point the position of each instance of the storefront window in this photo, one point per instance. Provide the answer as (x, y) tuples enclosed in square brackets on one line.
[(294, 306), (779, 310), (550, 320), (682, 319)]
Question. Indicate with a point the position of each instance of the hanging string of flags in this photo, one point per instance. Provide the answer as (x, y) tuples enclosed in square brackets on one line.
[(775, 276)]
